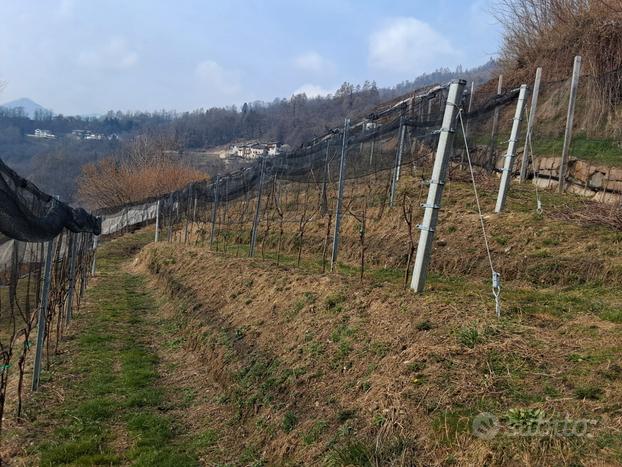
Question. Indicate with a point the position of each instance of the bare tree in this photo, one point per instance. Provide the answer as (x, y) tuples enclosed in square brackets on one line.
[(144, 169)]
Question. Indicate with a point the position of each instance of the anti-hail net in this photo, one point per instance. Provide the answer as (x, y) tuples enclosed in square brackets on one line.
[(296, 190), (36, 228), (371, 147)]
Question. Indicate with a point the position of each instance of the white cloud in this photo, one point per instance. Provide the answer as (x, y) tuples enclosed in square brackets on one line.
[(116, 54), (218, 79), (312, 62), (409, 45), (312, 90)]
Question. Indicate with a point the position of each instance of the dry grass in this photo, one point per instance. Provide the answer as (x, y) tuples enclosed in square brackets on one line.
[(573, 242), (325, 368), (385, 373), (550, 33)]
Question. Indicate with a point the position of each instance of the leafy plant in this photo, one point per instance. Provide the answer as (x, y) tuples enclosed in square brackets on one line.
[(469, 337), (524, 418)]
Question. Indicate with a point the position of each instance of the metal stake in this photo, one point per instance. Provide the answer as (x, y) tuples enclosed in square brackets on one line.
[(530, 123), (371, 151), (574, 87), (398, 162), (508, 164), (72, 275), (251, 250), (492, 147), (471, 94), (342, 179), (214, 209), (324, 194), (187, 215), (466, 130), (36, 372), (437, 183)]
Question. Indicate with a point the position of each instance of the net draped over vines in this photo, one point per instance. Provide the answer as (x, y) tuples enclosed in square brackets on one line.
[(292, 194), (35, 226)]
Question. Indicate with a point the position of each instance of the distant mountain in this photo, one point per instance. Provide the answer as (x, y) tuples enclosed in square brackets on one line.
[(30, 107)]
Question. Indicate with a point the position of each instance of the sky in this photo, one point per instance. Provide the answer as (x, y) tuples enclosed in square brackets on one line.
[(90, 56)]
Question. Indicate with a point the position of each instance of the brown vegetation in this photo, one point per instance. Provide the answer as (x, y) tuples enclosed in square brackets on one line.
[(145, 169), (549, 33), (371, 375)]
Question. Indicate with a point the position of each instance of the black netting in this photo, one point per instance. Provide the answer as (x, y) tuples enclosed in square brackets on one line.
[(28, 214), (258, 206)]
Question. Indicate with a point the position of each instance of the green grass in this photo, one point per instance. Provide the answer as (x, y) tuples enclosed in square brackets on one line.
[(290, 420), (599, 300), (115, 394), (588, 392), (314, 433), (601, 151)]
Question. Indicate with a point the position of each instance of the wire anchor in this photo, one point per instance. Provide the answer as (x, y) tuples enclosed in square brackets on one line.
[(496, 277), (496, 292)]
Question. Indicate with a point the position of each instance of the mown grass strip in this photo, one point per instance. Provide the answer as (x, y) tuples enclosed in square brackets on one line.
[(114, 412)]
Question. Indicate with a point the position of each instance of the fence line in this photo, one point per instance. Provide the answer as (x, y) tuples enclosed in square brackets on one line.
[(348, 173)]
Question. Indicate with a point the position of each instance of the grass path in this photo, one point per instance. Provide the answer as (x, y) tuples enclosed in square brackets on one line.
[(113, 408)]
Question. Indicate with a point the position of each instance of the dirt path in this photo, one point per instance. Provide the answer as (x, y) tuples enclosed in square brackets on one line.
[(105, 401)]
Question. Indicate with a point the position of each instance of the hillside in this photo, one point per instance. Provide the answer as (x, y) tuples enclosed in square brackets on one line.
[(286, 364), (424, 274), (291, 120)]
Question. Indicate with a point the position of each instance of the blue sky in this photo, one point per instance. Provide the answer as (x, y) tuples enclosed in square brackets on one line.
[(89, 56)]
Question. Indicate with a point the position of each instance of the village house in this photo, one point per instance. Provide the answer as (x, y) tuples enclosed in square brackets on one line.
[(254, 150), (45, 134), (86, 134)]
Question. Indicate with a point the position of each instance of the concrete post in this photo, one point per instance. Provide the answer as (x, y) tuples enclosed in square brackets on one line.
[(574, 87), (532, 118), (47, 276), (492, 147), (94, 263), (338, 208), (508, 164), (157, 226), (437, 183)]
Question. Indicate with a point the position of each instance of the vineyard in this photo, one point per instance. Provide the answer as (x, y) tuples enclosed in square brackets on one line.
[(276, 302)]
